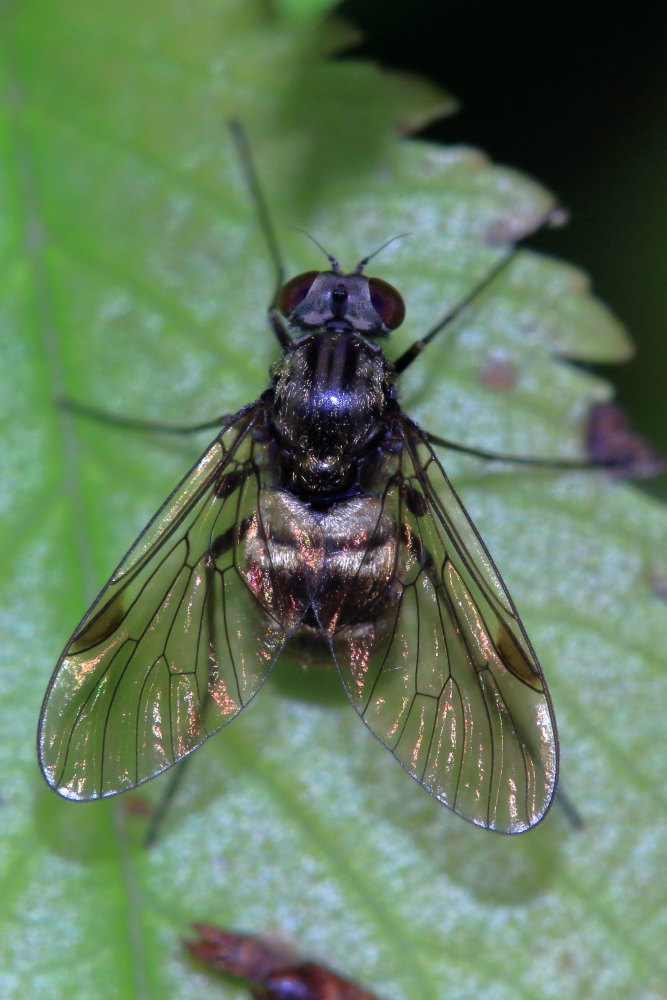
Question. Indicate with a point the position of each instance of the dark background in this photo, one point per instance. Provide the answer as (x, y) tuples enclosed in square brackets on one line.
[(577, 97)]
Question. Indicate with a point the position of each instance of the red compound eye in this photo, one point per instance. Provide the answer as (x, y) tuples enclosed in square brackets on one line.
[(295, 291), (387, 302)]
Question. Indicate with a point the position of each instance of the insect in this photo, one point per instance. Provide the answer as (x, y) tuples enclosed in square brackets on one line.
[(319, 517), (271, 971)]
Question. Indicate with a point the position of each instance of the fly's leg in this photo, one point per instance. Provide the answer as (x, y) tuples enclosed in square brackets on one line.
[(498, 456), (266, 226), (568, 809), (129, 423), (553, 217), (635, 459), (164, 804)]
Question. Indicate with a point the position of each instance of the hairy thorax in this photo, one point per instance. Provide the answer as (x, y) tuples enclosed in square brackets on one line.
[(331, 393)]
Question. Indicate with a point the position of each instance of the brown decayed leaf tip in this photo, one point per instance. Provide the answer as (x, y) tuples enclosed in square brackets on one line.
[(271, 971)]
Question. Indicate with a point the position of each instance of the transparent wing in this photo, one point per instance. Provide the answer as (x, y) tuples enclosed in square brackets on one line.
[(445, 675), (179, 640)]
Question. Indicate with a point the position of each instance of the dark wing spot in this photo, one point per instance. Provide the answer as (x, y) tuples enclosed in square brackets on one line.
[(515, 659), (226, 485), (413, 543), (222, 543), (99, 628), (414, 500)]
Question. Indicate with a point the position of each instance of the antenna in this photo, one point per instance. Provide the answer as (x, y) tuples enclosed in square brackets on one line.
[(240, 138), (362, 263), (335, 266)]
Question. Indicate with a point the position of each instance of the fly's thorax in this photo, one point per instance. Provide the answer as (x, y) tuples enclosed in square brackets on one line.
[(331, 393)]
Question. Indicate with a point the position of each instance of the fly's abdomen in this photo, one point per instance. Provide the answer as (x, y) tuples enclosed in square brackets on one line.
[(330, 570), (355, 583)]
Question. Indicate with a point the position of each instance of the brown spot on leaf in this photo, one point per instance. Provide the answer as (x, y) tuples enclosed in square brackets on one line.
[(658, 583), (498, 375)]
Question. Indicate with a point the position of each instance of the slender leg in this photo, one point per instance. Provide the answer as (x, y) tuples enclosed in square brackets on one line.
[(568, 809), (545, 463), (162, 808), (265, 224), (101, 416), (278, 327), (552, 217)]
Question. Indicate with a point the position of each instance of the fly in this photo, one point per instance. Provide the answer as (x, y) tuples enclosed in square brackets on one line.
[(320, 517)]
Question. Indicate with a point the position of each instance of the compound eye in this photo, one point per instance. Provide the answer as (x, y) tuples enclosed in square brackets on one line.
[(295, 291), (387, 302)]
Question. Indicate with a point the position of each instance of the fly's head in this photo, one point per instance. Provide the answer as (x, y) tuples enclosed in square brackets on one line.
[(345, 303)]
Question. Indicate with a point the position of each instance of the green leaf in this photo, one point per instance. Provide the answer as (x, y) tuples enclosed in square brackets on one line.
[(134, 279)]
